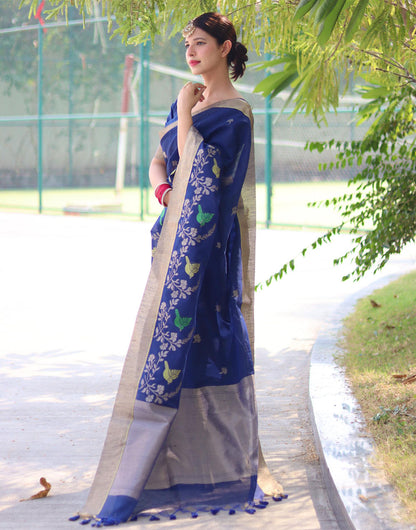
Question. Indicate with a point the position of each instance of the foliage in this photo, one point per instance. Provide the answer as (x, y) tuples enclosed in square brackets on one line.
[(379, 211), (318, 47), (325, 42)]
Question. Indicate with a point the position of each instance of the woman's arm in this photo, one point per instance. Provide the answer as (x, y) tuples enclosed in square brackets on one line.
[(157, 175)]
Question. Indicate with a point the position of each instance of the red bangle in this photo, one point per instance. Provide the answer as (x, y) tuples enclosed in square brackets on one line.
[(160, 191)]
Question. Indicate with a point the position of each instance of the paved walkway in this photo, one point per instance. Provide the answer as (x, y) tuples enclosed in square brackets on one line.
[(70, 288)]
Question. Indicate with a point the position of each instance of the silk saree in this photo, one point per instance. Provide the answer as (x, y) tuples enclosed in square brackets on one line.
[(183, 434)]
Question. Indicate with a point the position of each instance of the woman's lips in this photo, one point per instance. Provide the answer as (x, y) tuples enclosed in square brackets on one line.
[(193, 63)]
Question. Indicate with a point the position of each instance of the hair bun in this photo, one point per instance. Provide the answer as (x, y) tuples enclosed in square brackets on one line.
[(238, 60), (241, 51)]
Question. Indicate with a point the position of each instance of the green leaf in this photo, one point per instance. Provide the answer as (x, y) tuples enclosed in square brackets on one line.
[(275, 83), (304, 7), (329, 22), (373, 92), (323, 10), (355, 20), (286, 58)]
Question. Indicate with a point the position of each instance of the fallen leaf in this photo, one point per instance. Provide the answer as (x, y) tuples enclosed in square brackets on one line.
[(374, 303), (42, 493), (367, 498), (409, 379)]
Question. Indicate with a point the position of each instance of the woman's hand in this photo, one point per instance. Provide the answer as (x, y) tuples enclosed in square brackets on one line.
[(189, 96)]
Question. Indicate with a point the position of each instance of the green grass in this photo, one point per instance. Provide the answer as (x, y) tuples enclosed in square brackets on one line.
[(288, 204), (379, 346)]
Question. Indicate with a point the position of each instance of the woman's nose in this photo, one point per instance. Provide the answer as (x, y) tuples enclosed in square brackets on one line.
[(190, 50)]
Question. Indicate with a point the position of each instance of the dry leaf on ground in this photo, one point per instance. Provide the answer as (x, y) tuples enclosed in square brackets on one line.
[(42, 493)]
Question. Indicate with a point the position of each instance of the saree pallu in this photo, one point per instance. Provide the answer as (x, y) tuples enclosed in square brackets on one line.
[(183, 434)]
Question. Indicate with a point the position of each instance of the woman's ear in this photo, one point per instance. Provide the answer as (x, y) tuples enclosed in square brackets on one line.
[(226, 47)]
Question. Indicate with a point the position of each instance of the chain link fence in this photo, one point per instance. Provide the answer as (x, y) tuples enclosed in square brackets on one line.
[(81, 113)]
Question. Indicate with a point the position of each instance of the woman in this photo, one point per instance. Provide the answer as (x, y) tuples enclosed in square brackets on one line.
[(183, 436)]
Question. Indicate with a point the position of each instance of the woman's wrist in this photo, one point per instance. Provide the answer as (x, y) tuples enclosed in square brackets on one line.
[(160, 192), (163, 198)]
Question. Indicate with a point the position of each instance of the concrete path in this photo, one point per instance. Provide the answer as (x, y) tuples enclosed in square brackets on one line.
[(70, 288)]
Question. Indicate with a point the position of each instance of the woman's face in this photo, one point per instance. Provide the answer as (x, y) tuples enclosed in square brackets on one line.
[(203, 53)]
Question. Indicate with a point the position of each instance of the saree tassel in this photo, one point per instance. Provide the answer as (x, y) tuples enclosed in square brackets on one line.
[(194, 515), (108, 521), (280, 497), (251, 511), (214, 511), (74, 518), (231, 511), (85, 521), (154, 518)]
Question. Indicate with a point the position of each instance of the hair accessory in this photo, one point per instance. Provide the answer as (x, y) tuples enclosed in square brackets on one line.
[(188, 29)]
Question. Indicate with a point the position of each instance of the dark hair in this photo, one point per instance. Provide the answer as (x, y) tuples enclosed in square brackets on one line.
[(222, 29)]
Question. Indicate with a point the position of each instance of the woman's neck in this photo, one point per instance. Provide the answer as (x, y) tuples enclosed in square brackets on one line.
[(217, 89)]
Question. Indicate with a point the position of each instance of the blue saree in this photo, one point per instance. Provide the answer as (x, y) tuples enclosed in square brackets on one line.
[(183, 434)]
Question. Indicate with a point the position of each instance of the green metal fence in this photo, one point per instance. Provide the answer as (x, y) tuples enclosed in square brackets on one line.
[(60, 144)]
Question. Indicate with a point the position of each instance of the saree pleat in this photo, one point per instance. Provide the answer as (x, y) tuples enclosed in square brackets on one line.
[(183, 434)]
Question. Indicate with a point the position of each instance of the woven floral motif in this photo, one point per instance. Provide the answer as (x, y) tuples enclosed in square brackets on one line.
[(161, 380)]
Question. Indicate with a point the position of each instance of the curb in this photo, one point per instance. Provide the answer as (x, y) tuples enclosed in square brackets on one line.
[(360, 496)]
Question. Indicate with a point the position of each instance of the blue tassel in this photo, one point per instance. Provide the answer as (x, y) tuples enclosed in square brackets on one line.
[(74, 518), (260, 506), (285, 495), (85, 521), (250, 511), (231, 512), (194, 515), (172, 516), (154, 518), (134, 518), (277, 498), (214, 511)]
